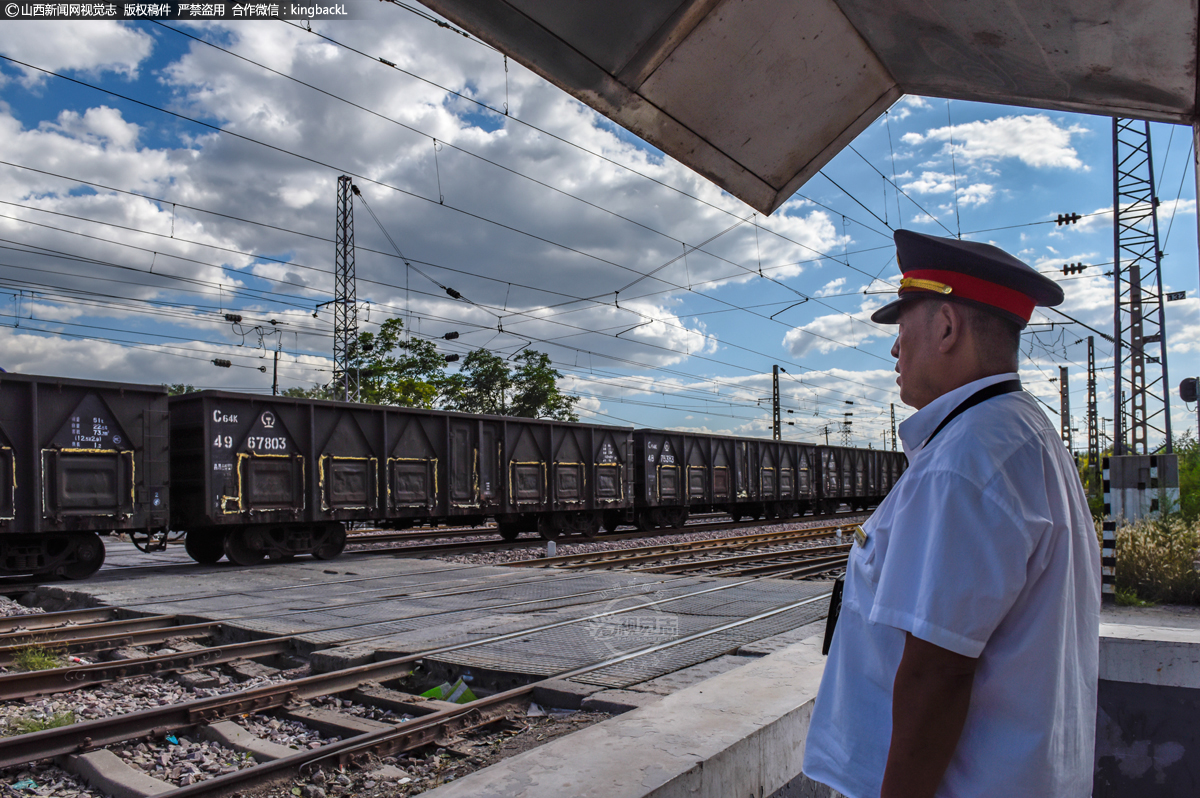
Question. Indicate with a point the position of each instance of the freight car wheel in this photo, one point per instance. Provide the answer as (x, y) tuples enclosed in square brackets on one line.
[(206, 549), (332, 543), (510, 532), (677, 519), (89, 556), (240, 547)]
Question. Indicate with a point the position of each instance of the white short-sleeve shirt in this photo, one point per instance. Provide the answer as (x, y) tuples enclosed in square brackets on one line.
[(985, 547)]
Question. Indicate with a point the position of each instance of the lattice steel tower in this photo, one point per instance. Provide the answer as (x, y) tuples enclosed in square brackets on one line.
[(1142, 401), (345, 300)]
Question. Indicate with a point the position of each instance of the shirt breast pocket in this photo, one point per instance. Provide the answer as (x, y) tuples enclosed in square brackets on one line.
[(865, 561)]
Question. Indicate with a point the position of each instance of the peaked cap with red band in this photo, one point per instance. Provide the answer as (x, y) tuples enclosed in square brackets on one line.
[(969, 272)]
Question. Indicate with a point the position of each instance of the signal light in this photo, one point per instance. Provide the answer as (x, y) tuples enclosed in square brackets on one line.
[(1187, 390), (222, 364)]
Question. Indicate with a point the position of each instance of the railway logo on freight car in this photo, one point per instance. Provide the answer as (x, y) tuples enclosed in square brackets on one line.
[(268, 420)]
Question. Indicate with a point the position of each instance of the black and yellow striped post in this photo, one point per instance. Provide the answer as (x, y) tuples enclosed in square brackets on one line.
[(1108, 547)]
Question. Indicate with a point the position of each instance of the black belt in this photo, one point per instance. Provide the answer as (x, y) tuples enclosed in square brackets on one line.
[(982, 395)]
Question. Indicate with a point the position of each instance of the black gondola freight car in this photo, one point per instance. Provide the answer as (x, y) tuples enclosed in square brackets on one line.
[(263, 476), (77, 458), (679, 473)]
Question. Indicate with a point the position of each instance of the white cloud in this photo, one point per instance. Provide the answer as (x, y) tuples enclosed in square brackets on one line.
[(831, 287), (1034, 139), (91, 46)]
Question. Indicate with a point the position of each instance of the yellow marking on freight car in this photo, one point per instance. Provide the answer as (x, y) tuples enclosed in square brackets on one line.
[(333, 458), (12, 499), (512, 499), (430, 499)]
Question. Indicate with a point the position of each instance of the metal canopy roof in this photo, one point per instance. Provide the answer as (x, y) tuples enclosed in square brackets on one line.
[(758, 95)]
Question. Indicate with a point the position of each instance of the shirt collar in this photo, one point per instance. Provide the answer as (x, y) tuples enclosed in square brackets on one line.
[(916, 428)]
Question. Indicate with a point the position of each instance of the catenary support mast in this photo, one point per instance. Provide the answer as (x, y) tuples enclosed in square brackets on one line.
[(1142, 412), (345, 300)]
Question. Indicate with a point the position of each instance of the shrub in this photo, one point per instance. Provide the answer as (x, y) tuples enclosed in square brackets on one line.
[(38, 657), (1156, 560), (39, 723)]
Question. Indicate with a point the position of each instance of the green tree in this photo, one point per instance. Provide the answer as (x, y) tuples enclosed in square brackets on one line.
[(395, 371), (177, 388), (1188, 450), (315, 392), (486, 383), (535, 389)]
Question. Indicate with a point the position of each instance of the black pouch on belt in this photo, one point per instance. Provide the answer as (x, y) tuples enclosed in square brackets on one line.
[(835, 609)]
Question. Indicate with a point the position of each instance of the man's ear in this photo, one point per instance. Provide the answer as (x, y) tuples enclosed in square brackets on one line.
[(950, 323)]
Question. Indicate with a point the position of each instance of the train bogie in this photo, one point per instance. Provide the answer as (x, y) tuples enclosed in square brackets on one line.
[(79, 458)]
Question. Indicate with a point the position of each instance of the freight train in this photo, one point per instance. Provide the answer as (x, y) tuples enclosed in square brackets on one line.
[(248, 477)]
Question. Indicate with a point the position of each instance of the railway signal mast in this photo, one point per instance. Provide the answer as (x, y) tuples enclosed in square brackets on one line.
[(345, 300)]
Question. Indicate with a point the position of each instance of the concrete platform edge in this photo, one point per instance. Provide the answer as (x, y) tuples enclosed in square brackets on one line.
[(739, 733)]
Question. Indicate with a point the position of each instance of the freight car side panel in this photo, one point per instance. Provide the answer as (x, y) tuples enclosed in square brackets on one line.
[(81, 455)]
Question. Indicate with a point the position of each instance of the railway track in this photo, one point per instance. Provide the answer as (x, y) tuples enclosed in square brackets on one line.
[(412, 543), (696, 556), (425, 722)]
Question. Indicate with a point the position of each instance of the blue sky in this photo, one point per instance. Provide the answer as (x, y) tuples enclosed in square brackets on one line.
[(142, 226)]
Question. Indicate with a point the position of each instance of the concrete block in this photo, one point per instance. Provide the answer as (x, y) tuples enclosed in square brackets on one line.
[(686, 677), (563, 694), (334, 724), (234, 736), (1157, 655), (617, 701), (336, 659), (245, 670), (196, 680), (406, 703), (106, 772), (737, 734)]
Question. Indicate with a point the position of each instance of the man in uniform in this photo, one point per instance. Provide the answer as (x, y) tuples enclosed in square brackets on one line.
[(964, 659)]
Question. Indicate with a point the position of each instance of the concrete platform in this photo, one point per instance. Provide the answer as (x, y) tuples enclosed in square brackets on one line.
[(742, 731)]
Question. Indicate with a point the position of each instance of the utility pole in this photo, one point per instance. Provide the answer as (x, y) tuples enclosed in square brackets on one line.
[(275, 370), (345, 300), (1093, 425), (1064, 416), (826, 434), (1142, 403), (775, 402)]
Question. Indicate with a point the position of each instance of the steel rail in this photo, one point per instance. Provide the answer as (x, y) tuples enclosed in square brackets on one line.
[(429, 728), (112, 627), (160, 720), (741, 558), (117, 640), (817, 565), (49, 620), (62, 680), (650, 553)]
